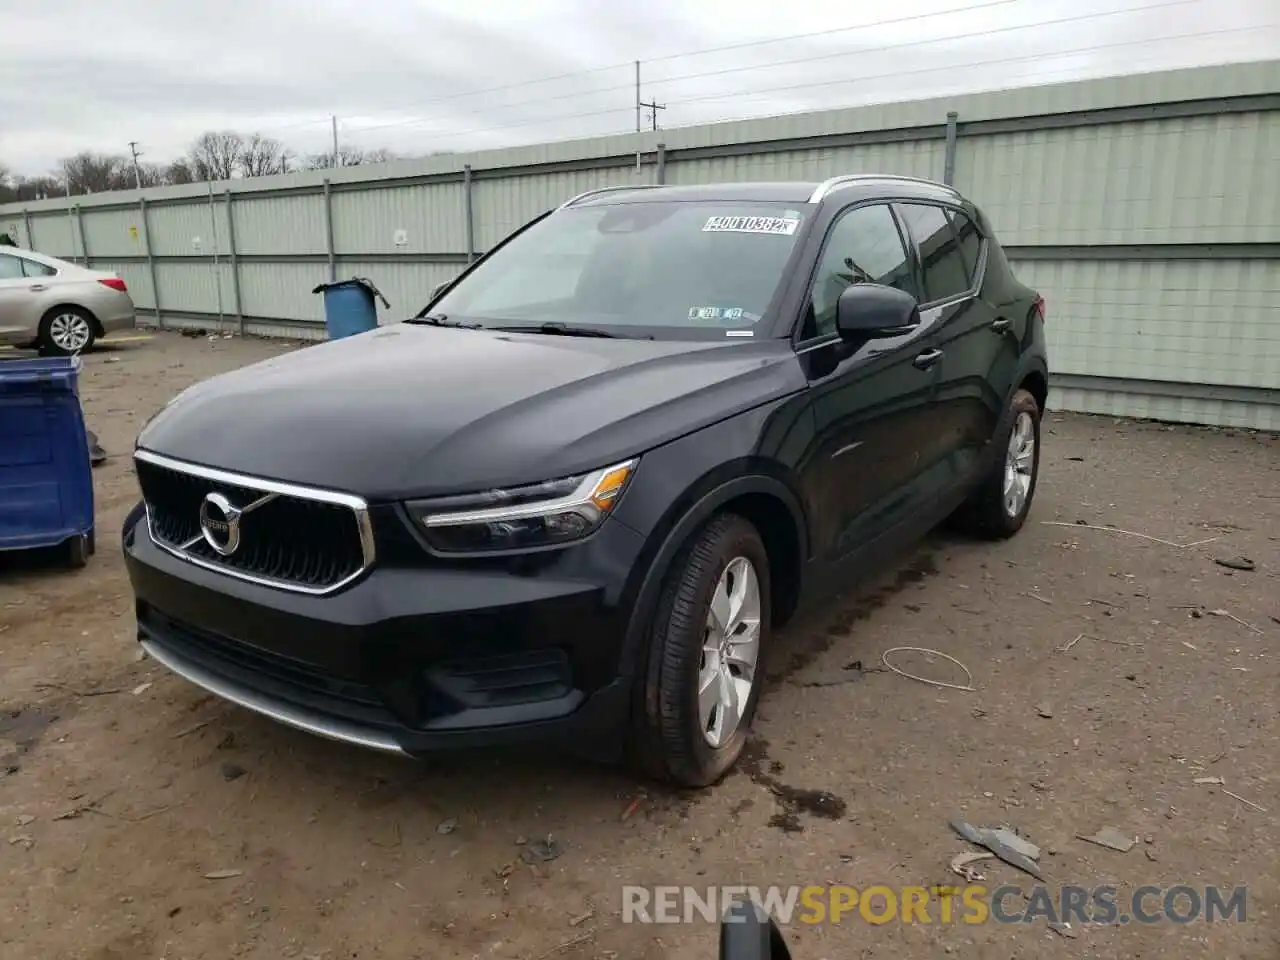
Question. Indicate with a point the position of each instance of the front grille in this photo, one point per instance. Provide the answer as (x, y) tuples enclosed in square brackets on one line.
[(294, 540), (266, 671)]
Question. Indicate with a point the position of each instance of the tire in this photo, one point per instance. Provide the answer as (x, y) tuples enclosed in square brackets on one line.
[(66, 331), (988, 513), (79, 549), (673, 738)]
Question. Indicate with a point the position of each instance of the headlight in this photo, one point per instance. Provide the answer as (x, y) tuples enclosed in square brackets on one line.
[(524, 518)]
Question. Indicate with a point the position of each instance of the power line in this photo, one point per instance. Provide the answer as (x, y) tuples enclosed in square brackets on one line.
[(977, 34), (867, 25), (1036, 57), (949, 68), (907, 44), (578, 94)]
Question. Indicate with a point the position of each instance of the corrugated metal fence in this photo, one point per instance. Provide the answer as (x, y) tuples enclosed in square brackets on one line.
[(1146, 208)]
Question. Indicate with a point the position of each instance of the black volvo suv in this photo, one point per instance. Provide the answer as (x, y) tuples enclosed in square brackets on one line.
[(575, 496)]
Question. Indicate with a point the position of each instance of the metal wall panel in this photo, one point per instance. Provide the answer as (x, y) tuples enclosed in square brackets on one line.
[(1223, 413), (1191, 321), (286, 331), (55, 234), (136, 277), (192, 286), (189, 229), (504, 205), (407, 286), (113, 233), (282, 290), (921, 158), (278, 224), (1194, 180), (426, 218)]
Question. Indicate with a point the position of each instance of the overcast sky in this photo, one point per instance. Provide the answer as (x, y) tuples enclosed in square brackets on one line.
[(418, 76)]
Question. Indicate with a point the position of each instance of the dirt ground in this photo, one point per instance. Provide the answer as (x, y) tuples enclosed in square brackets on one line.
[(141, 819)]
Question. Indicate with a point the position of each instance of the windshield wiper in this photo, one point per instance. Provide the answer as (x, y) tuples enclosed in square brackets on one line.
[(440, 320), (560, 330)]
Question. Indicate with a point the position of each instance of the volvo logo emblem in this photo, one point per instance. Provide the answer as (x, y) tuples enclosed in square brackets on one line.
[(220, 524)]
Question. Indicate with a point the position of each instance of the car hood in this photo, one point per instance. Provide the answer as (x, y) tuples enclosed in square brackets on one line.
[(410, 410)]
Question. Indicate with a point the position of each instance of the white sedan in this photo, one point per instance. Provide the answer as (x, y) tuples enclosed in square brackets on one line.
[(58, 307)]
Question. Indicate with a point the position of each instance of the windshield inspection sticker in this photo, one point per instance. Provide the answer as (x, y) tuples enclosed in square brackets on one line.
[(783, 226)]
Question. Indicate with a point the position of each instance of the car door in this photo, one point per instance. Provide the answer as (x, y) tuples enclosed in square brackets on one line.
[(871, 401), (951, 256), (14, 301)]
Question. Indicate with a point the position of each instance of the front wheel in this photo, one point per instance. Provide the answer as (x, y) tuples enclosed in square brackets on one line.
[(705, 664), (998, 507)]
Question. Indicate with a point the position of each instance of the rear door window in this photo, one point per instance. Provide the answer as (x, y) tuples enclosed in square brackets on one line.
[(941, 259), (10, 267)]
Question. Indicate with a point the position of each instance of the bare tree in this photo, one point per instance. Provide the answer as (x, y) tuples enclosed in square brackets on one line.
[(36, 188), (148, 175), (348, 156), (216, 155), (151, 174), (263, 156), (180, 171), (91, 172)]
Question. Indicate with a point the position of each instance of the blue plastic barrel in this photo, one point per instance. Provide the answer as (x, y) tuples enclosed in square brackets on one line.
[(349, 308), (46, 483)]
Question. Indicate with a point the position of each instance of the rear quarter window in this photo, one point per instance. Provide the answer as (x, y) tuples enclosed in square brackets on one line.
[(33, 269)]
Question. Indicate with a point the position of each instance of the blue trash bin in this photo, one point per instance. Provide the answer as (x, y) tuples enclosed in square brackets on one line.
[(348, 306), (46, 483)]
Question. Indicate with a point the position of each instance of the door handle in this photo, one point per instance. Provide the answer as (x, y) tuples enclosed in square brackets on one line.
[(927, 359), (1000, 325), (37, 287)]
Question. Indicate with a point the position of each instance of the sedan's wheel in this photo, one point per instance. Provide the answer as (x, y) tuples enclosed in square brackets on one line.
[(999, 506), (705, 662), (65, 331)]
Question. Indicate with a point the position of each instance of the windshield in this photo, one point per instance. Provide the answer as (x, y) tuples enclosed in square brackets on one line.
[(667, 270)]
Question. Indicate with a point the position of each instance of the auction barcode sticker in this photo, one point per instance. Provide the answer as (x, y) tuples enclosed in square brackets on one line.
[(784, 226)]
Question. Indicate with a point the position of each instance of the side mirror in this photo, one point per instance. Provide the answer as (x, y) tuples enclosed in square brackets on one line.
[(747, 933), (867, 311)]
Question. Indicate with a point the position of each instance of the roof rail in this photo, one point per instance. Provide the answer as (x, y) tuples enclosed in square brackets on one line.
[(601, 190), (833, 183)]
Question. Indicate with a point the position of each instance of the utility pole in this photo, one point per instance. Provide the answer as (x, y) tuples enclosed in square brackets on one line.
[(653, 109), (638, 104), (137, 174), (334, 119)]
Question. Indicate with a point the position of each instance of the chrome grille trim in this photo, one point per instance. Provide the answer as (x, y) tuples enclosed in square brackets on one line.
[(357, 505)]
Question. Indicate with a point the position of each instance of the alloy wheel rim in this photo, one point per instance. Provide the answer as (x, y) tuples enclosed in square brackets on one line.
[(730, 652), (1019, 464), (70, 332)]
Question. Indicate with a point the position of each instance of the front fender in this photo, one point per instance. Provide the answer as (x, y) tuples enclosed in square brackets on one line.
[(685, 483)]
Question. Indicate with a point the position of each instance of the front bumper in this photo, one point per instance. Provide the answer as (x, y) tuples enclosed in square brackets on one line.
[(408, 659)]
